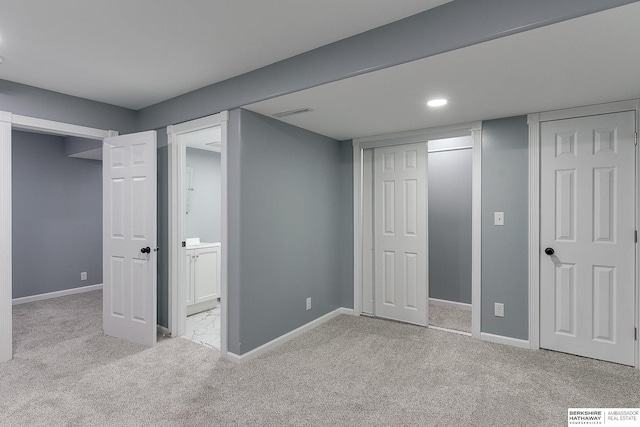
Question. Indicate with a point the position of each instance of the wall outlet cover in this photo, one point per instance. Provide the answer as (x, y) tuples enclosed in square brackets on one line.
[(83, 275), (499, 309), (309, 303), (498, 218)]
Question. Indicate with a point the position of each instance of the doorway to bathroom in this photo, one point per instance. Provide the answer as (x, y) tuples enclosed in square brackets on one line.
[(197, 164)]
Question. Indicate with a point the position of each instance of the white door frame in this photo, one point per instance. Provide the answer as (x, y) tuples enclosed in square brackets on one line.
[(475, 130), (177, 164), (534, 121), (9, 122)]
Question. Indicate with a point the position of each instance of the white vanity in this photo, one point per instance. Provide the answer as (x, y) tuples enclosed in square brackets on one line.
[(202, 275)]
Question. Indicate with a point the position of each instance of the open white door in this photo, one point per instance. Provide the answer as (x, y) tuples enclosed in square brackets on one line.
[(587, 230), (400, 247), (129, 237)]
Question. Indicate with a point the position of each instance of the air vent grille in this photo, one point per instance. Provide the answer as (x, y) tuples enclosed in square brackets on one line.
[(292, 112)]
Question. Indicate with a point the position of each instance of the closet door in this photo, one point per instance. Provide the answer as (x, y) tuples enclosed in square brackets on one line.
[(400, 224)]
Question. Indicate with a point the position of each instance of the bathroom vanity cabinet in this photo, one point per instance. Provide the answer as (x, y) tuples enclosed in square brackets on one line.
[(202, 277)]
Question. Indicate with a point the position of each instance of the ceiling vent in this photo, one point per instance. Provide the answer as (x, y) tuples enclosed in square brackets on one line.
[(292, 112)]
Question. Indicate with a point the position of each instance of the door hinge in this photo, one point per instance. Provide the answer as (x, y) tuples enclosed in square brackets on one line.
[(636, 137), (635, 236), (636, 334)]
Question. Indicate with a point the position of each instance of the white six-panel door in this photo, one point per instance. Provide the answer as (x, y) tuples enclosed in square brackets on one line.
[(129, 218), (587, 219), (400, 247)]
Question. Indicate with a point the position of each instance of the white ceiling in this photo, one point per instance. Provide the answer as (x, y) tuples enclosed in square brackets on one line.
[(138, 53), (588, 60)]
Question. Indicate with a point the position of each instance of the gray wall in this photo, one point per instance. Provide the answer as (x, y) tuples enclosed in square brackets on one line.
[(44, 104), (57, 216), (505, 248), (450, 225), (204, 219), (162, 189), (74, 144), (346, 224), (289, 223)]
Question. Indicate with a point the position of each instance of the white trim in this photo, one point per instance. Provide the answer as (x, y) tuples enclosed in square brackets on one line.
[(534, 230), (499, 339), (232, 357), (447, 303), (177, 164), (57, 294), (359, 144), (438, 328), (420, 135), (442, 150), (9, 121), (357, 228), (476, 231), (224, 259), (58, 128), (176, 231), (589, 110), (6, 327), (637, 219), (198, 124)]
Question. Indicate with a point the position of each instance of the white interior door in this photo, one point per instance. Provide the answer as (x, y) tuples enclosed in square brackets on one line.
[(400, 188), (587, 219), (129, 236)]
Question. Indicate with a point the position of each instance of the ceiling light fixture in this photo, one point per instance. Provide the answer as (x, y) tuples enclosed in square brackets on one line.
[(438, 102)]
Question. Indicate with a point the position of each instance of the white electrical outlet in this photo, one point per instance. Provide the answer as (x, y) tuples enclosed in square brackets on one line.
[(83, 275), (498, 218), (499, 309), (309, 303)]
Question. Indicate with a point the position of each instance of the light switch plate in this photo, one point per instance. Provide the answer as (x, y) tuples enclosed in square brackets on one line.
[(498, 218)]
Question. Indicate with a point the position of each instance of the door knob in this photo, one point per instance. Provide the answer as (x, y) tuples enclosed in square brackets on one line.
[(549, 251), (146, 250)]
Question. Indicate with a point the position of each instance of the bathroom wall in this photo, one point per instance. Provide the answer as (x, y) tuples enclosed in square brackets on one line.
[(203, 219)]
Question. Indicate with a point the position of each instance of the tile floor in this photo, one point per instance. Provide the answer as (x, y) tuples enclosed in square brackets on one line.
[(204, 328)]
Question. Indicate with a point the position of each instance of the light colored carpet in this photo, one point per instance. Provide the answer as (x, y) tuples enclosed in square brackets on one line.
[(351, 371), (449, 317)]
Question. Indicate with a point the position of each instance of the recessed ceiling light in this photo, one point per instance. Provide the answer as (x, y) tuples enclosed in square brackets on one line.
[(438, 102)]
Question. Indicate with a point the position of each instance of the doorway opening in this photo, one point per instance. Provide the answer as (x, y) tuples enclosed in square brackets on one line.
[(450, 284), (197, 230), (32, 128), (57, 234), (450, 163)]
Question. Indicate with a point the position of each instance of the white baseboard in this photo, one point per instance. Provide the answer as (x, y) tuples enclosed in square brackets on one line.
[(505, 340), (462, 305), (232, 357), (40, 297)]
